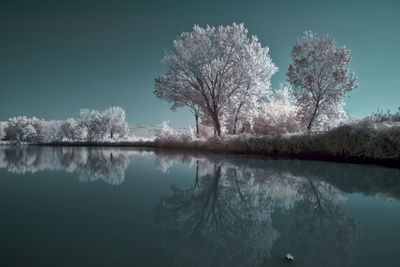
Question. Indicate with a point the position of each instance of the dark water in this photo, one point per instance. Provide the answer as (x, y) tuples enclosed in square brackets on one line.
[(131, 207)]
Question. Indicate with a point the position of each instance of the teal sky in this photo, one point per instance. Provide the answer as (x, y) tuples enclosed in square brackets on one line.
[(59, 56)]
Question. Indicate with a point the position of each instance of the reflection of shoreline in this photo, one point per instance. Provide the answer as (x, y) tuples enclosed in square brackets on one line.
[(109, 164)]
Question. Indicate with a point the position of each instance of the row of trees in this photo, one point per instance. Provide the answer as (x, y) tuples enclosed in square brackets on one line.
[(91, 125), (223, 76)]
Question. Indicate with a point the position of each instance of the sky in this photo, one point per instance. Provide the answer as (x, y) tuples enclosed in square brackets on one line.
[(57, 57)]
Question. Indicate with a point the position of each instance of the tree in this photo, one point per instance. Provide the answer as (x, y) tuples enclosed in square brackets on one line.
[(23, 129), (116, 119), (71, 129), (208, 66), (15, 128), (320, 75), (2, 132), (96, 124)]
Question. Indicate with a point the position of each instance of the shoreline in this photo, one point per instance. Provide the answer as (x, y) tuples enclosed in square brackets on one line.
[(391, 163), (345, 144)]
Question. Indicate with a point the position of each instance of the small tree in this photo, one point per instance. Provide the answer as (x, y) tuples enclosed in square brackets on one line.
[(15, 128), (2, 132), (71, 129), (320, 75), (96, 124), (115, 116)]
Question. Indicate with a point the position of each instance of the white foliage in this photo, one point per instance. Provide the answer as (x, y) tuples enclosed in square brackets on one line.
[(117, 126), (92, 126), (164, 131), (320, 76), (279, 115), (28, 132), (216, 69), (2, 132), (333, 117), (71, 130)]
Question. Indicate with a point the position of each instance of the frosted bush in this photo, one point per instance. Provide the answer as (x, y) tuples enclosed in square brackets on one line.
[(279, 115), (206, 131), (164, 131)]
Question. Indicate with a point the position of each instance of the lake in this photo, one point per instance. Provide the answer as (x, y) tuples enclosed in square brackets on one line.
[(79, 206)]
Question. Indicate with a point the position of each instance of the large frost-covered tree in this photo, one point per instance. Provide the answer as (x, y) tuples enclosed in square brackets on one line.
[(320, 75), (210, 67)]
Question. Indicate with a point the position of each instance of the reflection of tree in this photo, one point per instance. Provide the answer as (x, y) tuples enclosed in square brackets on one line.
[(321, 229), (215, 224), (109, 167), (90, 163), (224, 218)]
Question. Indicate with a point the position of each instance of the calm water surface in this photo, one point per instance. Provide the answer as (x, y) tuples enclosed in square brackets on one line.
[(66, 206)]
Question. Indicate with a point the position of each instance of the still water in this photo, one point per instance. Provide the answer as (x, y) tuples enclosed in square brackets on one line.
[(77, 206)]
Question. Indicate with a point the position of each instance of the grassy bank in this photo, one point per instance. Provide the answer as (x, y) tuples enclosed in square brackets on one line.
[(378, 144)]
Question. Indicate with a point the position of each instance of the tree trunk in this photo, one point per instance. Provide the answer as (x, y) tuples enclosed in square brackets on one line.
[(197, 126), (312, 119), (235, 123), (243, 128), (310, 124), (217, 125), (236, 118)]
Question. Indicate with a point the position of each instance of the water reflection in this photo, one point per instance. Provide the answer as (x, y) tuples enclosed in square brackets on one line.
[(224, 218), (91, 164), (320, 228), (221, 220)]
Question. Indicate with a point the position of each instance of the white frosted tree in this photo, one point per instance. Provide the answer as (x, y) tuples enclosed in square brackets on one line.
[(96, 124), (72, 130), (116, 121), (15, 128), (209, 66), (320, 75), (2, 132)]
